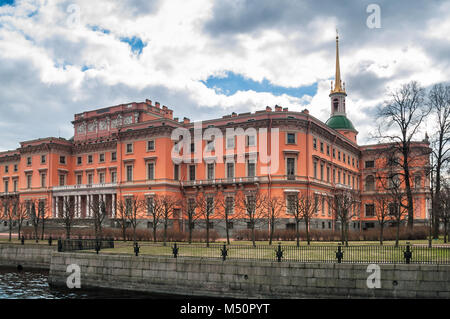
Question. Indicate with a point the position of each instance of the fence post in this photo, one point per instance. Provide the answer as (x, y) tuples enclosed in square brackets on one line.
[(59, 245), (408, 253), (224, 252), (279, 253), (175, 250), (339, 254)]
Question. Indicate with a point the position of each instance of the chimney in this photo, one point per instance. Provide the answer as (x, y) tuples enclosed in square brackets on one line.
[(186, 120), (278, 108), (234, 114), (164, 107), (175, 119), (305, 111), (268, 109), (157, 105), (148, 102), (285, 109)]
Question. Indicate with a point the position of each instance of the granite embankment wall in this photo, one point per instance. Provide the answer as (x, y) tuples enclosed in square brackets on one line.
[(28, 256), (249, 279)]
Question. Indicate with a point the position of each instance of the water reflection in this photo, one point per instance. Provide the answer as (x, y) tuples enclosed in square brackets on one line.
[(32, 284)]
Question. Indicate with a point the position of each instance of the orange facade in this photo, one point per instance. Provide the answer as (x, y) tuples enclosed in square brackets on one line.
[(127, 151)]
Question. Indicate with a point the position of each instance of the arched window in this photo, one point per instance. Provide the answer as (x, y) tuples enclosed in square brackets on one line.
[(370, 183), (335, 104), (417, 182)]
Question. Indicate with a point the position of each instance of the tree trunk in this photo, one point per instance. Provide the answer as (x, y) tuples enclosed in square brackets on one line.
[(253, 234), (307, 231), (297, 232), (10, 230), (190, 230), (165, 233), (272, 226), (381, 234), (227, 230), (398, 234), (43, 228), (19, 230), (408, 189), (154, 232)]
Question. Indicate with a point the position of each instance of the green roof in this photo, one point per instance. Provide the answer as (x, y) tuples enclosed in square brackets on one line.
[(340, 122)]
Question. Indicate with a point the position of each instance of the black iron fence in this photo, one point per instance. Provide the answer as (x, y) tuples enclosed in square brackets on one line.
[(291, 253), (84, 244)]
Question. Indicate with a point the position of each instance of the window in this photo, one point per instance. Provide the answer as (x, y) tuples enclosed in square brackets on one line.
[(90, 179), (251, 140), (62, 160), (315, 143), (328, 149), (370, 210), (210, 171), (62, 180), (150, 171), (6, 186), (339, 177), (150, 206), (192, 147), (113, 156), (113, 177), (417, 181), (230, 170), (192, 172), (29, 176), (230, 142), (129, 173), (79, 179), (44, 159), (290, 138), (343, 157), (353, 162), (210, 146), (210, 205), (334, 153), (328, 174), (321, 171), (16, 168), (101, 178), (321, 147), (229, 205), (394, 181), (151, 145), (369, 164), (291, 203), (79, 160), (290, 168), (176, 172), (101, 157), (129, 148), (393, 209), (6, 168), (339, 155), (251, 169), (43, 180), (90, 159), (315, 169), (29, 160), (15, 185)]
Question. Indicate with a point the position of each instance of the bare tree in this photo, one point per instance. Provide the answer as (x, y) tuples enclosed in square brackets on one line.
[(43, 212), (134, 207), (343, 204), (21, 215), (121, 217), (400, 121), (168, 204), (307, 205), (98, 210), (251, 204), (439, 103), (206, 206), (68, 214), (225, 205), (381, 202), (445, 210), (189, 206), (273, 207), (153, 206), (34, 216), (8, 206)]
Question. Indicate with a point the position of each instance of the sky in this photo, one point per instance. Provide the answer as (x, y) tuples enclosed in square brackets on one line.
[(205, 59)]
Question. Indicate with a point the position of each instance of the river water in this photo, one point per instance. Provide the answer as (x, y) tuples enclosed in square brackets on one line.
[(32, 284)]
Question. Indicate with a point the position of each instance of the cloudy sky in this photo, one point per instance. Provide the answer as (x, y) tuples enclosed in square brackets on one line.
[(206, 58)]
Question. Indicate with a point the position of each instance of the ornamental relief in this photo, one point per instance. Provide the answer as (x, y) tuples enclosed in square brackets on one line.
[(128, 120), (102, 125), (81, 129), (92, 127)]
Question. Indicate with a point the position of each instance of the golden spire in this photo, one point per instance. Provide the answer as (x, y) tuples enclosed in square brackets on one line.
[(338, 88)]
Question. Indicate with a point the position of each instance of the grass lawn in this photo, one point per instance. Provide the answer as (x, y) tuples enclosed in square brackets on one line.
[(317, 251)]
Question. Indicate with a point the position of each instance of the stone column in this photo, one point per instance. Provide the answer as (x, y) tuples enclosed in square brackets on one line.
[(88, 206), (113, 206), (57, 206)]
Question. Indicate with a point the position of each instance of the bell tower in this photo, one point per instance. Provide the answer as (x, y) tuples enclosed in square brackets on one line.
[(337, 94), (338, 119)]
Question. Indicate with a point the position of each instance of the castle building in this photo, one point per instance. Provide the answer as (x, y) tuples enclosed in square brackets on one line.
[(125, 151)]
